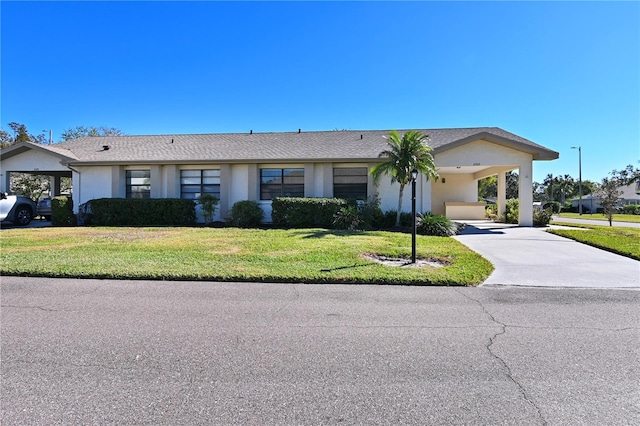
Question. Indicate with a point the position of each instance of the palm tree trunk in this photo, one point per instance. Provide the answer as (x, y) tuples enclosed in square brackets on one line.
[(399, 205)]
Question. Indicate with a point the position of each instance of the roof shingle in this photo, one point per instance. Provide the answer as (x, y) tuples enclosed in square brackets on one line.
[(351, 145)]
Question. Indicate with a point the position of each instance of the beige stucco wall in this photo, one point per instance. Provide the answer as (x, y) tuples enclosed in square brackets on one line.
[(93, 182), (481, 153), (388, 194), (453, 187)]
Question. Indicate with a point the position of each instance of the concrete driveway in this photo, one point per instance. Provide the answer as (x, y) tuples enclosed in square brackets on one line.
[(533, 257)]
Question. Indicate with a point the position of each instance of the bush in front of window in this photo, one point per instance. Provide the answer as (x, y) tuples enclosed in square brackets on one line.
[(246, 214), (141, 212), (208, 203), (62, 211), (294, 212)]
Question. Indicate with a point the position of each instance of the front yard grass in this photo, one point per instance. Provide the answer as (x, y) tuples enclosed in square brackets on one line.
[(621, 240), (232, 254)]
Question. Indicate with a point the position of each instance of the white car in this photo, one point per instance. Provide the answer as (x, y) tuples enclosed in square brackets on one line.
[(16, 209)]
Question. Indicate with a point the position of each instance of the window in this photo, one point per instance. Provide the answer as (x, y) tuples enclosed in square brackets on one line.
[(350, 183), (138, 183), (281, 183), (194, 183)]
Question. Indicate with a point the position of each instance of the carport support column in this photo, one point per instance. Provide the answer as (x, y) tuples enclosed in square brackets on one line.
[(502, 193), (525, 194), (54, 185)]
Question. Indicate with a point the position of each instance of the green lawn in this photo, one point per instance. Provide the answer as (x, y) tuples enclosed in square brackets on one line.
[(616, 239), (634, 218), (231, 254)]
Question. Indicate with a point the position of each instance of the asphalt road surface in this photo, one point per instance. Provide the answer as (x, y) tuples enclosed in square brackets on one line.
[(136, 352)]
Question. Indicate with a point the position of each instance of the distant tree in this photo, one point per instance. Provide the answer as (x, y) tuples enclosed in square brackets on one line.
[(512, 183), (588, 187), (92, 131), (5, 139), (567, 185), (403, 154), (628, 175), (488, 188), (609, 191), (32, 186), (21, 135)]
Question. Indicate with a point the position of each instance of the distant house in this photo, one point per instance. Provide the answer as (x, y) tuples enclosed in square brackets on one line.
[(592, 203), (261, 166)]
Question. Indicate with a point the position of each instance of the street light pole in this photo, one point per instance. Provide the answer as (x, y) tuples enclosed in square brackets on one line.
[(579, 148), (414, 176)]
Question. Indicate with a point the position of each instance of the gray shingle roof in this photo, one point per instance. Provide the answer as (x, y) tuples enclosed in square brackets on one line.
[(352, 145)]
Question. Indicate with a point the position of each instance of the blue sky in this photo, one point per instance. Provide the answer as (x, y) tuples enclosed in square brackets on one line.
[(560, 74)]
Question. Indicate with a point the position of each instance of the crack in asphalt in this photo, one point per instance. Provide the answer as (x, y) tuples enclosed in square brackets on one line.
[(509, 374), (42, 308)]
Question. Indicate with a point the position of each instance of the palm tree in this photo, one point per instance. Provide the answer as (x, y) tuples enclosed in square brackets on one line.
[(403, 155)]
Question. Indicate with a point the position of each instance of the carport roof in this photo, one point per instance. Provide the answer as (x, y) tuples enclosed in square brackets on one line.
[(350, 145)]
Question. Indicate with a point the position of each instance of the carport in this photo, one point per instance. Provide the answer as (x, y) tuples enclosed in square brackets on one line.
[(39, 160)]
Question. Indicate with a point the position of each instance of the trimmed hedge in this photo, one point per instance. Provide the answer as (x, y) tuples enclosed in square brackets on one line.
[(141, 212), (62, 211), (246, 214), (289, 212), (631, 209)]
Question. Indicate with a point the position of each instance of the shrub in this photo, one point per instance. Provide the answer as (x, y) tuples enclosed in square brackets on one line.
[(435, 225), (511, 212), (553, 205), (62, 211), (348, 218), (631, 209), (542, 217), (141, 212), (305, 212), (387, 220), (208, 203), (246, 214), (491, 212), (369, 212)]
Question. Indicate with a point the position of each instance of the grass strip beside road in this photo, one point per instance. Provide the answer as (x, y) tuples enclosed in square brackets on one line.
[(616, 239), (232, 254), (631, 218)]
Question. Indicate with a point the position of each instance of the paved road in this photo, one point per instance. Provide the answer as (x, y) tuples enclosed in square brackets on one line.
[(136, 352), (532, 257)]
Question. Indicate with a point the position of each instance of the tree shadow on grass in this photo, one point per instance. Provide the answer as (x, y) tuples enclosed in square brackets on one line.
[(321, 233), (339, 268)]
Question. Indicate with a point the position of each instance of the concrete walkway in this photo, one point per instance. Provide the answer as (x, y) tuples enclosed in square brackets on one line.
[(534, 257)]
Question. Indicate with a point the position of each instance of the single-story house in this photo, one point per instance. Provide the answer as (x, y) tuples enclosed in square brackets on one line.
[(629, 194), (261, 166)]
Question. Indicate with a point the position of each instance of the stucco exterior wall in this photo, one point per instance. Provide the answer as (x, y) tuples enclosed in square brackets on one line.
[(453, 187), (388, 195), (481, 153), (32, 160), (94, 182)]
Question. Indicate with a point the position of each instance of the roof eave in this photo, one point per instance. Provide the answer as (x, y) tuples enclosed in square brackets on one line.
[(21, 147)]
